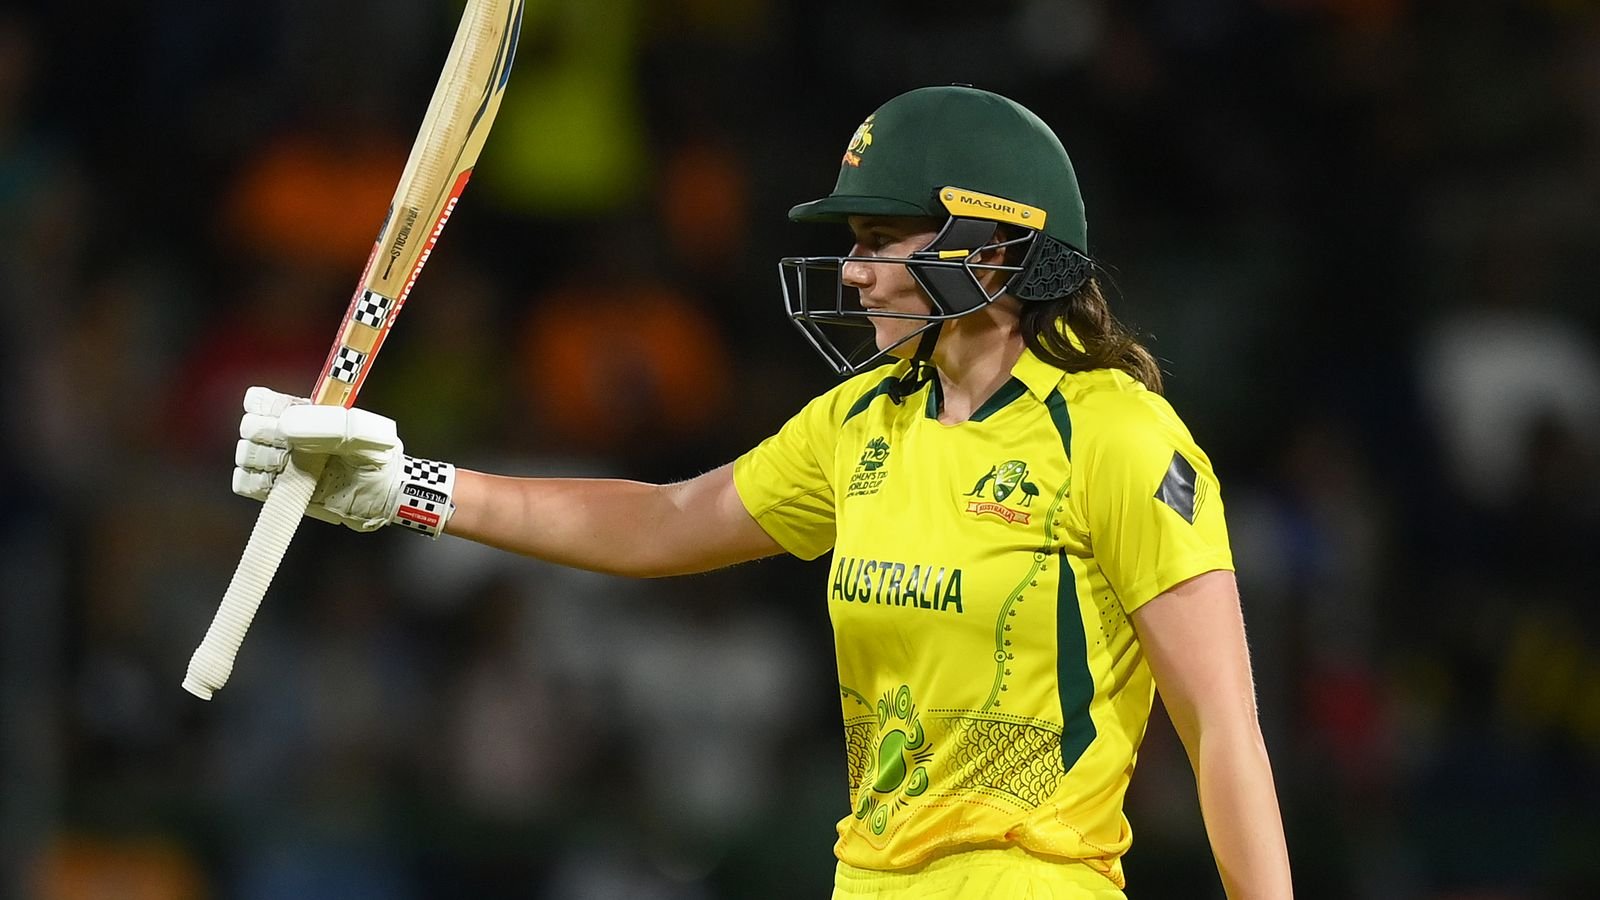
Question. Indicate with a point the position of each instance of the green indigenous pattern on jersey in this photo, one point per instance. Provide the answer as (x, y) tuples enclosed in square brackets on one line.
[(982, 576)]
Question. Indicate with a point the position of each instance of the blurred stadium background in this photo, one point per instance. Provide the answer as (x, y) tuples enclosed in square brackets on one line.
[(1363, 234)]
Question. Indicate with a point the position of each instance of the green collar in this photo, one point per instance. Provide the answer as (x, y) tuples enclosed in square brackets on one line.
[(1030, 375)]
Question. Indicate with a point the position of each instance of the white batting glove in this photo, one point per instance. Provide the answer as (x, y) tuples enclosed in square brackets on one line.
[(367, 481)]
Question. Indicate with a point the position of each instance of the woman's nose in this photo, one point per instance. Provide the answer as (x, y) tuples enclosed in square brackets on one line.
[(855, 273)]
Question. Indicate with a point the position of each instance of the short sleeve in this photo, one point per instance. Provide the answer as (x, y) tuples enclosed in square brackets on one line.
[(786, 481), (1148, 494)]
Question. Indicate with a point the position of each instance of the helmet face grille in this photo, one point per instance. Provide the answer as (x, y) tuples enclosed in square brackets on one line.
[(829, 313), (815, 294), (1051, 271)]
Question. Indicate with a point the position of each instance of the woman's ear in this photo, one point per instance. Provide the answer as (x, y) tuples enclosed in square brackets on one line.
[(995, 279)]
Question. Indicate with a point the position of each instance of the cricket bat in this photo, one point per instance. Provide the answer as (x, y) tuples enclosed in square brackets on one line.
[(453, 131)]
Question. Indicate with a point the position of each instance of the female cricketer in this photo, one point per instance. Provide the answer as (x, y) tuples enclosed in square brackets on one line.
[(1027, 543)]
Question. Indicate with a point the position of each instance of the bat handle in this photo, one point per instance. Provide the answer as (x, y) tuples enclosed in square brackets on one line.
[(286, 504)]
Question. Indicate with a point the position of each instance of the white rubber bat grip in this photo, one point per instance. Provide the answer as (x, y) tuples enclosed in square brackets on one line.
[(286, 504)]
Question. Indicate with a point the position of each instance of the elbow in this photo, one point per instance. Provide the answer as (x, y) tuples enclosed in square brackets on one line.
[(1236, 729)]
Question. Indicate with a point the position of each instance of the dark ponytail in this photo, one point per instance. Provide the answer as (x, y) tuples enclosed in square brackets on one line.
[(1107, 343)]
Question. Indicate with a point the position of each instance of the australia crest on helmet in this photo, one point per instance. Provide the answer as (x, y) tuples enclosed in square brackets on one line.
[(859, 142)]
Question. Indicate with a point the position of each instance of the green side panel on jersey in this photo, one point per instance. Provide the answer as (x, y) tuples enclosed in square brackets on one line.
[(1057, 405), (1073, 680)]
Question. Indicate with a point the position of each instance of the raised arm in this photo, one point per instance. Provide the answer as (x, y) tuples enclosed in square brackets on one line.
[(605, 525), (609, 525), (1193, 635)]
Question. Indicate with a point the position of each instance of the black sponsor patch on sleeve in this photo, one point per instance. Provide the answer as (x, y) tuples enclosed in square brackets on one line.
[(1177, 488)]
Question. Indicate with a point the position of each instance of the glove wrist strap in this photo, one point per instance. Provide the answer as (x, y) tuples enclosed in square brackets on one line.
[(427, 490)]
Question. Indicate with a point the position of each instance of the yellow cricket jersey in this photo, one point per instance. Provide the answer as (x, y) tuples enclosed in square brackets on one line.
[(992, 687)]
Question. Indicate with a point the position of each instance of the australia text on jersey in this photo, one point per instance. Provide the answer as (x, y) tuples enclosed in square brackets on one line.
[(891, 583)]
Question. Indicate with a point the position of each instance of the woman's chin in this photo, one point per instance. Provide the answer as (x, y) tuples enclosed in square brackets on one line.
[(887, 339)]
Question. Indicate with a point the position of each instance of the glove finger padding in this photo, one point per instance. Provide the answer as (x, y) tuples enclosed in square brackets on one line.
[(255, 485), (261, 429), (363, 438), (259, 457), (267, 402)]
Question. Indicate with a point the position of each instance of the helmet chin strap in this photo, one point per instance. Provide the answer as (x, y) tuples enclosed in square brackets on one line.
[(922, 369)]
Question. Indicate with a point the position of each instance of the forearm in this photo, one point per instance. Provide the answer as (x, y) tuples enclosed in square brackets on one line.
[(586, 523), (604, 525), (1240, 804)]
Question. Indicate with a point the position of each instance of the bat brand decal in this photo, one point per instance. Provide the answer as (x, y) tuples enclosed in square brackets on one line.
[(427, 251), (400, 239)]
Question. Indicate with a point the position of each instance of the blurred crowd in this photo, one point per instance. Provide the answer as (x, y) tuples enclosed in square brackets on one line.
[(1362, 235)]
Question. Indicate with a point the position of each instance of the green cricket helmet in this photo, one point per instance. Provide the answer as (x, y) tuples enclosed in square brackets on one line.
[(974, 159)]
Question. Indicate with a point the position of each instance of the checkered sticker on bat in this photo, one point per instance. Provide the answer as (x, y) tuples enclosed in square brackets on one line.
[(372, 308), (347, 364)]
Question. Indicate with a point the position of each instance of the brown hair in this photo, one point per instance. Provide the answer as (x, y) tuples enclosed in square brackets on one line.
[(1107, 343)]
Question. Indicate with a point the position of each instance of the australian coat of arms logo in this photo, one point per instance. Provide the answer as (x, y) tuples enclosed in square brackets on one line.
[(1003, 491), (859, 142)]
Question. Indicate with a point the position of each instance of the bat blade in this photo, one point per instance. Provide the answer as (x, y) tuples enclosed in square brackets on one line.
[(457, 122)]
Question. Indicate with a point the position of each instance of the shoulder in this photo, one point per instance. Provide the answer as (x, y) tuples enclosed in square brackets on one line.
[(854, 395), (1112, 412)]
